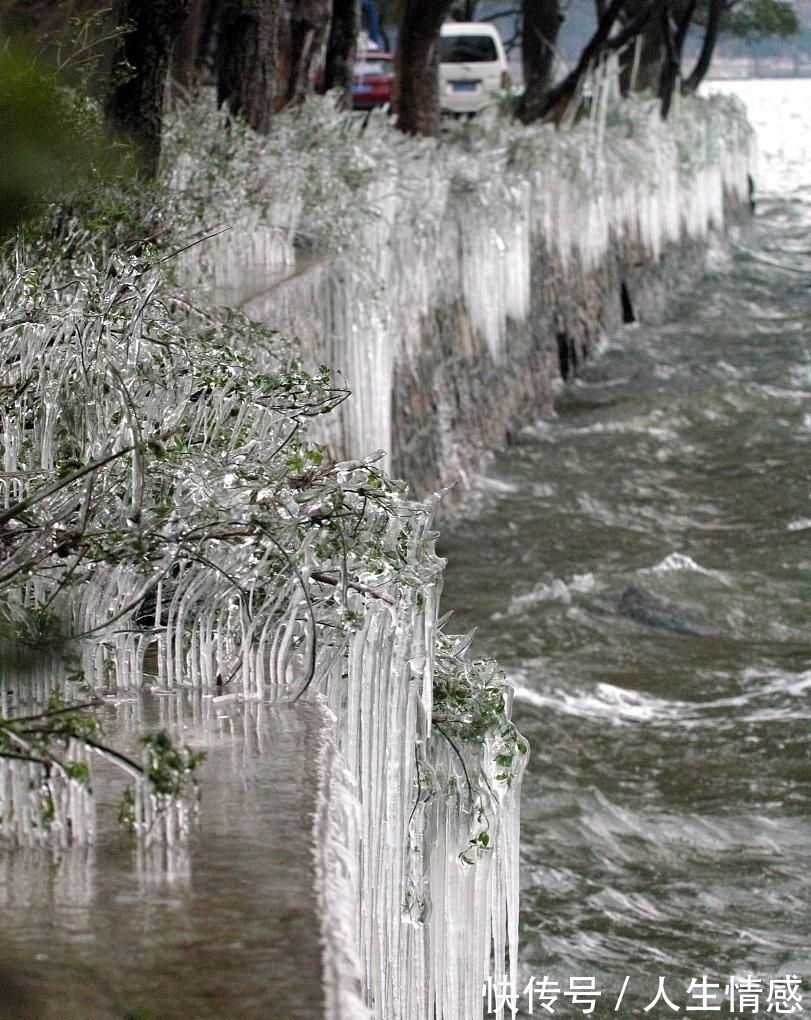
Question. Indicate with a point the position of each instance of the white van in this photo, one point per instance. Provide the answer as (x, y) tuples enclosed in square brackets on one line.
[(472, 66)]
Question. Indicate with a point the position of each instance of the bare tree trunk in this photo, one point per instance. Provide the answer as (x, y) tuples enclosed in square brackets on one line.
[(136, 101), (673, 46), (185, 65), (707, 48), (207, 45), (341, 47), (671, 63), (247, 60), (558, 98), (542, 20), (651, 48), (308, 26), (417, 74)]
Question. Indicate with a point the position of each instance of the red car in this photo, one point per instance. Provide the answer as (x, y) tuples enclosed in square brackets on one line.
[(372, 80)]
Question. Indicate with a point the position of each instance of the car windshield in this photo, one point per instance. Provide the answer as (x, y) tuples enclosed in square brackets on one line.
[(374, 65), (467, 49)]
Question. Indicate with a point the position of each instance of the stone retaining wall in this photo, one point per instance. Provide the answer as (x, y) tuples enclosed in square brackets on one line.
[(454, 404)]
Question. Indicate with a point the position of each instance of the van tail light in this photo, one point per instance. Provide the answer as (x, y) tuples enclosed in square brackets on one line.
[(505, 79)]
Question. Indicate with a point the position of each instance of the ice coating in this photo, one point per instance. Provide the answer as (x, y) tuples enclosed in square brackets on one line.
[(246, 595), (403, 226), (214, 565)]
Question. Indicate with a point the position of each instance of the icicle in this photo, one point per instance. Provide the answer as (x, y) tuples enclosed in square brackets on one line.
[(337, 854)]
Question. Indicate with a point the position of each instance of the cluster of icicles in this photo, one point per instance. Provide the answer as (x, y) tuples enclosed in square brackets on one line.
[(374, 232), (412, 226), (162, 508)]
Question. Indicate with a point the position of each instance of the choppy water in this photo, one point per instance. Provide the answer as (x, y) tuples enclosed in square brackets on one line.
[(641, 567)]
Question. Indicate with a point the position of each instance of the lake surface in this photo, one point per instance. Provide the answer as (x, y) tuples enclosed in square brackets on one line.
[(640, 565)]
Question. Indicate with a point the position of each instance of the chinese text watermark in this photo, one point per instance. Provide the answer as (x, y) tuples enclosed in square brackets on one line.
[(741, 996)]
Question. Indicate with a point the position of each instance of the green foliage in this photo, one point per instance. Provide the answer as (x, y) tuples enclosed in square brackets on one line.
[(46, 741), (756, 19), (471, 715), (43, 736), (53, 142), (169, 773), (169, 767), (470, 701), (36, 147)]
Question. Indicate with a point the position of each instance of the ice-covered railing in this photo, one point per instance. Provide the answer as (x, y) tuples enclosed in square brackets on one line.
[(406, 226)]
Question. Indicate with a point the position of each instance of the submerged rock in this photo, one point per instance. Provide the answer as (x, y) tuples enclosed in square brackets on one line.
[(642, 606)]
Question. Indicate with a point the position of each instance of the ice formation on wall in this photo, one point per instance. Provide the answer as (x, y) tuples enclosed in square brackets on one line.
[(179, 522), (406, 226), (394, 229), (171, 517)]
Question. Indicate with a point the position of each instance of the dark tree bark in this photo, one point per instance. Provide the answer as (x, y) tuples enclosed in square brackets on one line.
[(542, 20), (416, 66), (671, 62), (696, 76), (136, 101), (186, 61), (207, 43), (341, 47), (642, 68), (308, 26), (247, 60), (674, 38), (558, 98)]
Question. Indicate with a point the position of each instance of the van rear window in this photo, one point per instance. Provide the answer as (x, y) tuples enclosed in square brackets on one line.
[(467, 49)]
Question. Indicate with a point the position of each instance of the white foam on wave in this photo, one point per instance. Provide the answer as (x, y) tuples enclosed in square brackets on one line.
[(555, 590), (638, 425), (680, 561), (800, 376), (487, 483), (618, 706), (770, 682), (606, 703), (732, 371), (782, 393)]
